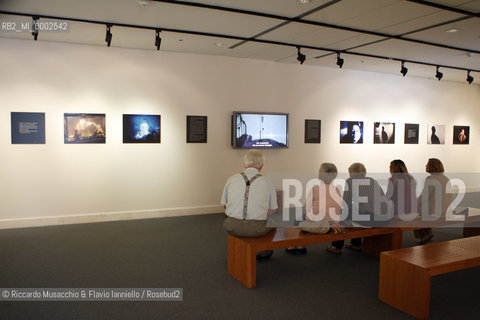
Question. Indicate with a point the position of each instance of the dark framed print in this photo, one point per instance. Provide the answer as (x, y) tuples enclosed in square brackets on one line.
[(411, 133), (84, 128), (461, 134), (313, 131), (28, 127), (384, 132), (141, 128), (436, 134), (351, 132), (196, 129)]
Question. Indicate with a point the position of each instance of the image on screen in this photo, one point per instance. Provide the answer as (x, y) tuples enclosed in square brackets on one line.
[(84, 128), (256, 130), (351, 131), (141, 128)]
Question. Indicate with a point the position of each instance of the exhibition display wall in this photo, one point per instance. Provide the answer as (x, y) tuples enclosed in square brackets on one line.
[(58, 182)]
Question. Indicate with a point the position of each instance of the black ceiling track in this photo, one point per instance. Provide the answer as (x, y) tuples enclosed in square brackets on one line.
[(225, 36), (314, 23), (446, 8)]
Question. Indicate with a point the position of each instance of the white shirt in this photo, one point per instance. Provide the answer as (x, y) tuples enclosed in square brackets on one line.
[(262, 196)]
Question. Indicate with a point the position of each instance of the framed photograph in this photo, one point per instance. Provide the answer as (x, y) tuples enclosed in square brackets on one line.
[(141, 128), (28, 127), (436, 134), (84, 128), (313, 131), (411, 133), (196, 129), (461, 134), (351, 132), (383, 132)]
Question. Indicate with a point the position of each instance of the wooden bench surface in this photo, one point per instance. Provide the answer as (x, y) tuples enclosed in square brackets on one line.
[(441, 257), (287, 237)]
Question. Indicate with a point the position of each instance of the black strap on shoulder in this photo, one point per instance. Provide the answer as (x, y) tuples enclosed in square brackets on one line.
[(247, 191)]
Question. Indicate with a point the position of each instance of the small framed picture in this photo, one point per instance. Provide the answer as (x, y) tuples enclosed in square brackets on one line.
[(384, 132), (351, 132), (28, 127), (84, 128), (411, 133), (461, 134), (436, 134), (196, 129), (141, 128), (313, 131)]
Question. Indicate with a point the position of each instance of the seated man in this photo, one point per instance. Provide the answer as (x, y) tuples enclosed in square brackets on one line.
[(249, 198)]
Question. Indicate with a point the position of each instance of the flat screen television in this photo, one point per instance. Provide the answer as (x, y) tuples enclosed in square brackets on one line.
[(260, 130)]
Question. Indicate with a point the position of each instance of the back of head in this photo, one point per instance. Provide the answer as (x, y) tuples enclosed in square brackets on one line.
[(398, 166), (253, 158), (327, 172), (434, 166), (357, 169)]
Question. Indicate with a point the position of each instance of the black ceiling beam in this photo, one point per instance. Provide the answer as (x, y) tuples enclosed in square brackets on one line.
[(446, 8), (315, 23), (225, 36)]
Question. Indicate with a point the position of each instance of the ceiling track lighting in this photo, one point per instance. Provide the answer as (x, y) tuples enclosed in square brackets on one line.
[(35, 28), (469, 77), (300, 56), (404, 69), (438, 74), (340, 61), (158, 40), (108, 35)]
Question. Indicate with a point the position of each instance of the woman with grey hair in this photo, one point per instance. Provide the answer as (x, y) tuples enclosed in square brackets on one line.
[(323, 205)]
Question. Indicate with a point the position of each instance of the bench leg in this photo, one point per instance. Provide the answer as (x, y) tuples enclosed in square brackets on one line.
[(242, 263), (375, 244), (471, 229), (404, 286)]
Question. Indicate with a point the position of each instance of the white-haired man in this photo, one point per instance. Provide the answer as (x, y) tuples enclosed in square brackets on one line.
[(249, 198)]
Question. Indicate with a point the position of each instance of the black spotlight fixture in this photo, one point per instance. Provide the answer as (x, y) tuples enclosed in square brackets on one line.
[(300, 56), (340, 61), (469, 77), (35, 28), (404, 69), (158, 40), (108, 35), (439, 75)]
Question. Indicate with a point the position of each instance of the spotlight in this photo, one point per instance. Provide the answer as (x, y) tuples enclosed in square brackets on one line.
[(35, 28), (469, 77), (404, 69), (438, 75), (340, 61), (300, 56), (108, 35), (158, 40)]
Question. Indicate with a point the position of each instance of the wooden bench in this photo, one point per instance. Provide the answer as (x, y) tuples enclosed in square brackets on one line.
[(405, 274), (242, 251)]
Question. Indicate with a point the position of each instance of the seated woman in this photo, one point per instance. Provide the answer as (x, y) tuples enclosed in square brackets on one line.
[(428, 202), (322, 206), (402, 189)]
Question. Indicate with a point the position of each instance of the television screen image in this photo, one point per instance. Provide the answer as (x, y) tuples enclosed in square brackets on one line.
[(260, 130), (384, 132), (141, 128), (351, 131), (436, 134), (84, 128), (411, 133), (461, 134)]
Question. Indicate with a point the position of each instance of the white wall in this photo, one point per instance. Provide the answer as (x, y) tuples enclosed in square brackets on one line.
[(59, 180)]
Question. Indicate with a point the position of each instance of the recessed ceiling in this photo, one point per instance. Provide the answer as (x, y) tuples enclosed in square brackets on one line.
[(372, 35)]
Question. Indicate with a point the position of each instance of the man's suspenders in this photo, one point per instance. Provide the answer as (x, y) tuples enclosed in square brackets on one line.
[(247, 190)]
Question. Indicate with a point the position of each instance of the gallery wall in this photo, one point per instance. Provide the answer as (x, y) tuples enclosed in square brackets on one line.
[(58, 183)]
